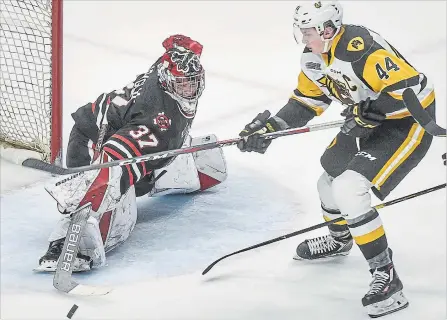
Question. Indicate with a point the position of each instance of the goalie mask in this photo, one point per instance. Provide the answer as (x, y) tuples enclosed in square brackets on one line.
[(181, 74)]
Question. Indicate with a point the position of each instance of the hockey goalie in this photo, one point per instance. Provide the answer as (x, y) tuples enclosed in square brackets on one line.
[(151, 114)]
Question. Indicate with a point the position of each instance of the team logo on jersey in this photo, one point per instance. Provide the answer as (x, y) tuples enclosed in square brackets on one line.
[(317, 4), (356, 44), (162, 121), (338, 89)]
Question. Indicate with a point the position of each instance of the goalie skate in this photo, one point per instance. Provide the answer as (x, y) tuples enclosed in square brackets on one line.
[(385, 295), (48, 262)]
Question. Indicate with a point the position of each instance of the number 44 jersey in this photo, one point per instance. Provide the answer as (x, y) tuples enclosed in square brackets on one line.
[(360, 64)]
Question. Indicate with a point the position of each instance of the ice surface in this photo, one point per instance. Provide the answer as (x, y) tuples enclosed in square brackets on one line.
[(252, 63)]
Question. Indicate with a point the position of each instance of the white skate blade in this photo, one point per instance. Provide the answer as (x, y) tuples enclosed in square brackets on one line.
[(50, 266), (394, 303), (46, 266), (341, 254)]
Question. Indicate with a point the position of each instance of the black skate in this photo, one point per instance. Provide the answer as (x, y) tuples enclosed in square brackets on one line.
[(48, 262), (323, 247), (385, 294)]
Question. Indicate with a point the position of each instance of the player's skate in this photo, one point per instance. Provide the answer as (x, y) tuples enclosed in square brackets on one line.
[(48, 262), (385, 294), (323, 247)]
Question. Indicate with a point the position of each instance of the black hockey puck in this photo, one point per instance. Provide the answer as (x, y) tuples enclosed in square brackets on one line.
[(72, 311)]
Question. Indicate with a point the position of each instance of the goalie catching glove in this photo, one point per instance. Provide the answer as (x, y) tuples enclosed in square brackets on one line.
[(361, 120), (252, 133)]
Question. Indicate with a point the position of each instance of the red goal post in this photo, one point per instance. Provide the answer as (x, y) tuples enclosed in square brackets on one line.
[(31, 77)]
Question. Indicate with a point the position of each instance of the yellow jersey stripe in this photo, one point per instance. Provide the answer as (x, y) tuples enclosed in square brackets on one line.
[(405, 150)]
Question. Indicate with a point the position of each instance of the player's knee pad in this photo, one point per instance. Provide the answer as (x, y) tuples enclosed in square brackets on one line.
[(324, 186), (351, 194), (329, 208), (197, 171)]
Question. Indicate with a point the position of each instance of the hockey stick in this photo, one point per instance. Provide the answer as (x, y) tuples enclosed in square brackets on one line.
[(323, 224), (44, 166), (421, 115), (63, 280)]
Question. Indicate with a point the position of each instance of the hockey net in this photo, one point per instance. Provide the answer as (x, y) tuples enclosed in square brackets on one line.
[(31, 76)]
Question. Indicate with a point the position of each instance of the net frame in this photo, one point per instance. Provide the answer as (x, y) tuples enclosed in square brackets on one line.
[(17, 27)]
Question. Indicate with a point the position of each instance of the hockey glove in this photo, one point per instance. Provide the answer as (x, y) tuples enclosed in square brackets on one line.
[(360, 120), (253, 141)]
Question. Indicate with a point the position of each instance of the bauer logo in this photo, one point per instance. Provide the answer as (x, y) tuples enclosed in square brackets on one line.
[(69, 178), (73, 239)]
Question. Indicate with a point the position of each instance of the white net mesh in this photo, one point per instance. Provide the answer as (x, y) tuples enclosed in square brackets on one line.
[(25, 74)]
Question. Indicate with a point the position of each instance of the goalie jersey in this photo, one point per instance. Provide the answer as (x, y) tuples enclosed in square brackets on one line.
[(360, 64), (141, 119)]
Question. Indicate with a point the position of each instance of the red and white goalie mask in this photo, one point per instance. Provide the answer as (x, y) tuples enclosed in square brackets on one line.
[(180, 72)]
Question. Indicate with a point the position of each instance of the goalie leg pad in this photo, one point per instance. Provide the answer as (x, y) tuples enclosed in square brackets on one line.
[(113, 215), (112, 229), (192, 172), (210, 164), (117, 223), (90, 245)]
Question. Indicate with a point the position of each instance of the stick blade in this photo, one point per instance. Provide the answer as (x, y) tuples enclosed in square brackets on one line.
[(204, 272), (86, 290), (45, 166)]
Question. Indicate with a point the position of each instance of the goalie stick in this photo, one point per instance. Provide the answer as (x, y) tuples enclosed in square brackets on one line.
[(63, 280), (421, 115), (51, 168)]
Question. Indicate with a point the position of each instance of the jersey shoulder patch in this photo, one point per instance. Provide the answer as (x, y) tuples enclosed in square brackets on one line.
[(311, 62), (353, 43), (356, 44)]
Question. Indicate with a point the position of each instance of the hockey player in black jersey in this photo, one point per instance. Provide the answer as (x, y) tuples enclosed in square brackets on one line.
[(360, 70), (153, 113)]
